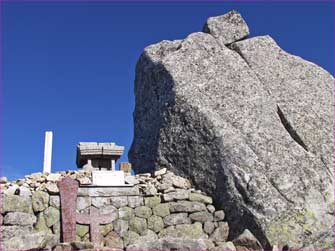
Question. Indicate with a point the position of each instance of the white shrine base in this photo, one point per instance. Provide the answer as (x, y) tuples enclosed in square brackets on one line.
[(108, 178)]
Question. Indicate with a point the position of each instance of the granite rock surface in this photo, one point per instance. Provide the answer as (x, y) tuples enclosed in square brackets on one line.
[(248, 123)]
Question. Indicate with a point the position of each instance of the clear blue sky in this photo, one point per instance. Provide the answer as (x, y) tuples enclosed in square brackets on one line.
[(69, 67)]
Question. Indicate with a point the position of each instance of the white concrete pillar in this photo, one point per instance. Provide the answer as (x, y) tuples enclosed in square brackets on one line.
[(47, 152), (113, 164)]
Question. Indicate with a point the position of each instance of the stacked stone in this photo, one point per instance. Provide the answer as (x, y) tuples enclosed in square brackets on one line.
[(160, 211)]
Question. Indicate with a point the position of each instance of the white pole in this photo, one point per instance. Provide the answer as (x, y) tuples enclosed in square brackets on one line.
[(47, 152)]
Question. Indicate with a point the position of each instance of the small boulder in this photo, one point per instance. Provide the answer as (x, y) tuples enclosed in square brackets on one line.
[(143, 212), (200, 198), (221, 233), (121, 227), (16, 203), (113, 241), (162, 210), (248, 240), (52, 188), (209, 227), (40, 201), (227, 28), (81, 245), (187, 206), (54, 177), (177, 219), (155, 223), (130, 238), (152, 201), (201, 216), (135, 201), (180, 182), (52, 216), (126, 213), (219, 215), (19, 218), (160, 172), (138, 225)]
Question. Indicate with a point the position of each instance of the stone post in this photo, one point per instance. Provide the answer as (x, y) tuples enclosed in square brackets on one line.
[(47, 152)]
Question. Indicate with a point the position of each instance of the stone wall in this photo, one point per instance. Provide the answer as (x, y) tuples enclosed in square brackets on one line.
[(160, 211)]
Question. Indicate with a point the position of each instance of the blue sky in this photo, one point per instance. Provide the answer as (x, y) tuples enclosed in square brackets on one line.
[(69, 67)]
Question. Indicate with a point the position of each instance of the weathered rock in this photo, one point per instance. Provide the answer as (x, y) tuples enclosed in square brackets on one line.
[(8, 232), (15, 203), (130, 238), (126, 213), (189, 231), (121, 227), (179, 194), (155, 223), (160, 172), (143, 212), (186, 206), (98, 202), (152, 201), (229, 246), (148, 235), (219, 215), (201, 198), (19, 218), (52, 216), (54, 201), (209, 227), (12, 190), (63, 247), (201, 216), (52, 188), (120, 201), (248, 240), (34, 241), (138, 225), (40, 201), (81, 245), (56, 230), (114, 241), (180, 182), (211, 208), (135, 201), (221, 233), (161, 210), (176, 219), (227, 28), (25, 191), (41, 224), (183, 244), (256, 130), (148, 245), (150, 189), (54, 177), (110, 210), (108, 191)]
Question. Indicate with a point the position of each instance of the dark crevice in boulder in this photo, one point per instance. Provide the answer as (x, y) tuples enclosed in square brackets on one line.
[(238, 215), (294, 135)]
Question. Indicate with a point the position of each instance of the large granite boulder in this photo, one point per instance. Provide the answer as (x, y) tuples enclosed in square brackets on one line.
[(249, 124)]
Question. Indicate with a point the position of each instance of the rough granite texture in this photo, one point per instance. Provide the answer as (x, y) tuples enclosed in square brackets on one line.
[(250, 125), (227, 28)]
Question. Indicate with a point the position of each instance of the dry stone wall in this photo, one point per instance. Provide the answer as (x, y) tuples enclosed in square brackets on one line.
[(160, 211)]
